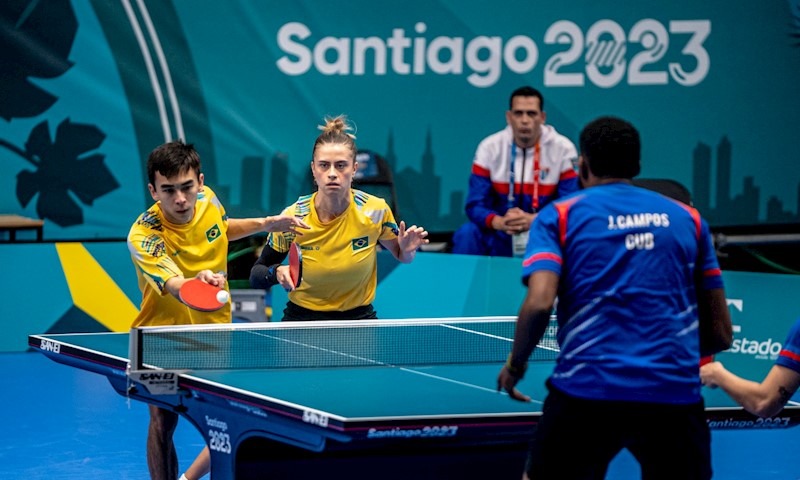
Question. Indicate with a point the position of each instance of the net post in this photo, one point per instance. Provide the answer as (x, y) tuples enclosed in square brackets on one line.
[(135, 349), (155, 381)]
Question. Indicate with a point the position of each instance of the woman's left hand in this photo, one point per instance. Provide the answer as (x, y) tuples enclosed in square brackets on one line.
[(411, 238)]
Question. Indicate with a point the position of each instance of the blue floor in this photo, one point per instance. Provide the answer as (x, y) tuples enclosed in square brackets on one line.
[(70, 424), (63, 423)]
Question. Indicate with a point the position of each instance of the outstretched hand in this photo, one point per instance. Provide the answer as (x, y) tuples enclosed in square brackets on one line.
[(411, 238), (285, 223)]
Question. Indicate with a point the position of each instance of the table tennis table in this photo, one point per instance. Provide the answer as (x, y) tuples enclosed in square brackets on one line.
[(395, 398)]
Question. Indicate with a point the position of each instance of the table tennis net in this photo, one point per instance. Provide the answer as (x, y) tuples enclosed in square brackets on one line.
[(331, 344)]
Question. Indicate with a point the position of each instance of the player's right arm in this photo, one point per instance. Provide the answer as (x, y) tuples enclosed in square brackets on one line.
[(763, 399), (532, 322), (534, 315)]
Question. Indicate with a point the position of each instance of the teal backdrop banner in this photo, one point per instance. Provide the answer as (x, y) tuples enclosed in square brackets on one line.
[(89, 87)]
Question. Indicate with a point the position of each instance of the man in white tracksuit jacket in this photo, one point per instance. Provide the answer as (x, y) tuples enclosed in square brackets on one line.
[(515, 173)]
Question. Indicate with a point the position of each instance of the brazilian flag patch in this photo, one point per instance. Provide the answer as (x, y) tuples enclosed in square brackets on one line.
[(359, 243), (213, 233)]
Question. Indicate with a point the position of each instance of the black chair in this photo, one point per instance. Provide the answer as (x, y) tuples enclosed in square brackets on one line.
[(667, 187), (374, 176)]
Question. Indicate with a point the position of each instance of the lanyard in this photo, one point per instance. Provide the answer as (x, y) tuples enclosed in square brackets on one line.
[(536, 172), (513, 189)]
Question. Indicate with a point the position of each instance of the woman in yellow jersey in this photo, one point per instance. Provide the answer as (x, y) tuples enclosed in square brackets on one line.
[(340, 246)]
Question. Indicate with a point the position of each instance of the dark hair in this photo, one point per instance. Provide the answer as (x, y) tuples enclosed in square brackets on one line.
[(611, 148), (172, 158), (526, 91), (336, 131)]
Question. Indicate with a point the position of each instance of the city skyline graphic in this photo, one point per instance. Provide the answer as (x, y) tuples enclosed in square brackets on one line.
[(733, 209), (419, 190)]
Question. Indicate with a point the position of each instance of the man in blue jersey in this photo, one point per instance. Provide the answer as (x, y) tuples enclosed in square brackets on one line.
[(515, 173), (767, 398), (640, 300)]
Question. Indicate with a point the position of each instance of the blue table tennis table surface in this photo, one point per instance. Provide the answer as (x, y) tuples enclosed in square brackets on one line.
[(313, 408), (347, 398)]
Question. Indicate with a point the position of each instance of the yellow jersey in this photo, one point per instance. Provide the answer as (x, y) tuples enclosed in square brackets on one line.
[(161, 250), (340, 264)]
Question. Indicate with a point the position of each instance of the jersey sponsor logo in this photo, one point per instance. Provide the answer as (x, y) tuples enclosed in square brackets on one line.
[(359, 243), (213, 233)]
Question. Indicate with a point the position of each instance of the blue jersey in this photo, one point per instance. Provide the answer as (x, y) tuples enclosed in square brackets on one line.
[(629, 262), (790, 354)]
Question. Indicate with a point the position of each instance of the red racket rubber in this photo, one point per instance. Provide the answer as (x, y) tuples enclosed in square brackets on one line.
[(295, 264), (202, 296)]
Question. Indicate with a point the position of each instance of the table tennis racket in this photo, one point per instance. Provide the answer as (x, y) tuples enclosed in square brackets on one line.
[(202, 296), (295, 264), (706, 360)]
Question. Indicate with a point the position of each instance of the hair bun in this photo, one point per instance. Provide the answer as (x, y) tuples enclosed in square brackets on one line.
[(336, 126)]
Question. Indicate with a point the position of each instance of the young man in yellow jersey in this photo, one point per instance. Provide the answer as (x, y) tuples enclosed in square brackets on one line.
[(184, 235)]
